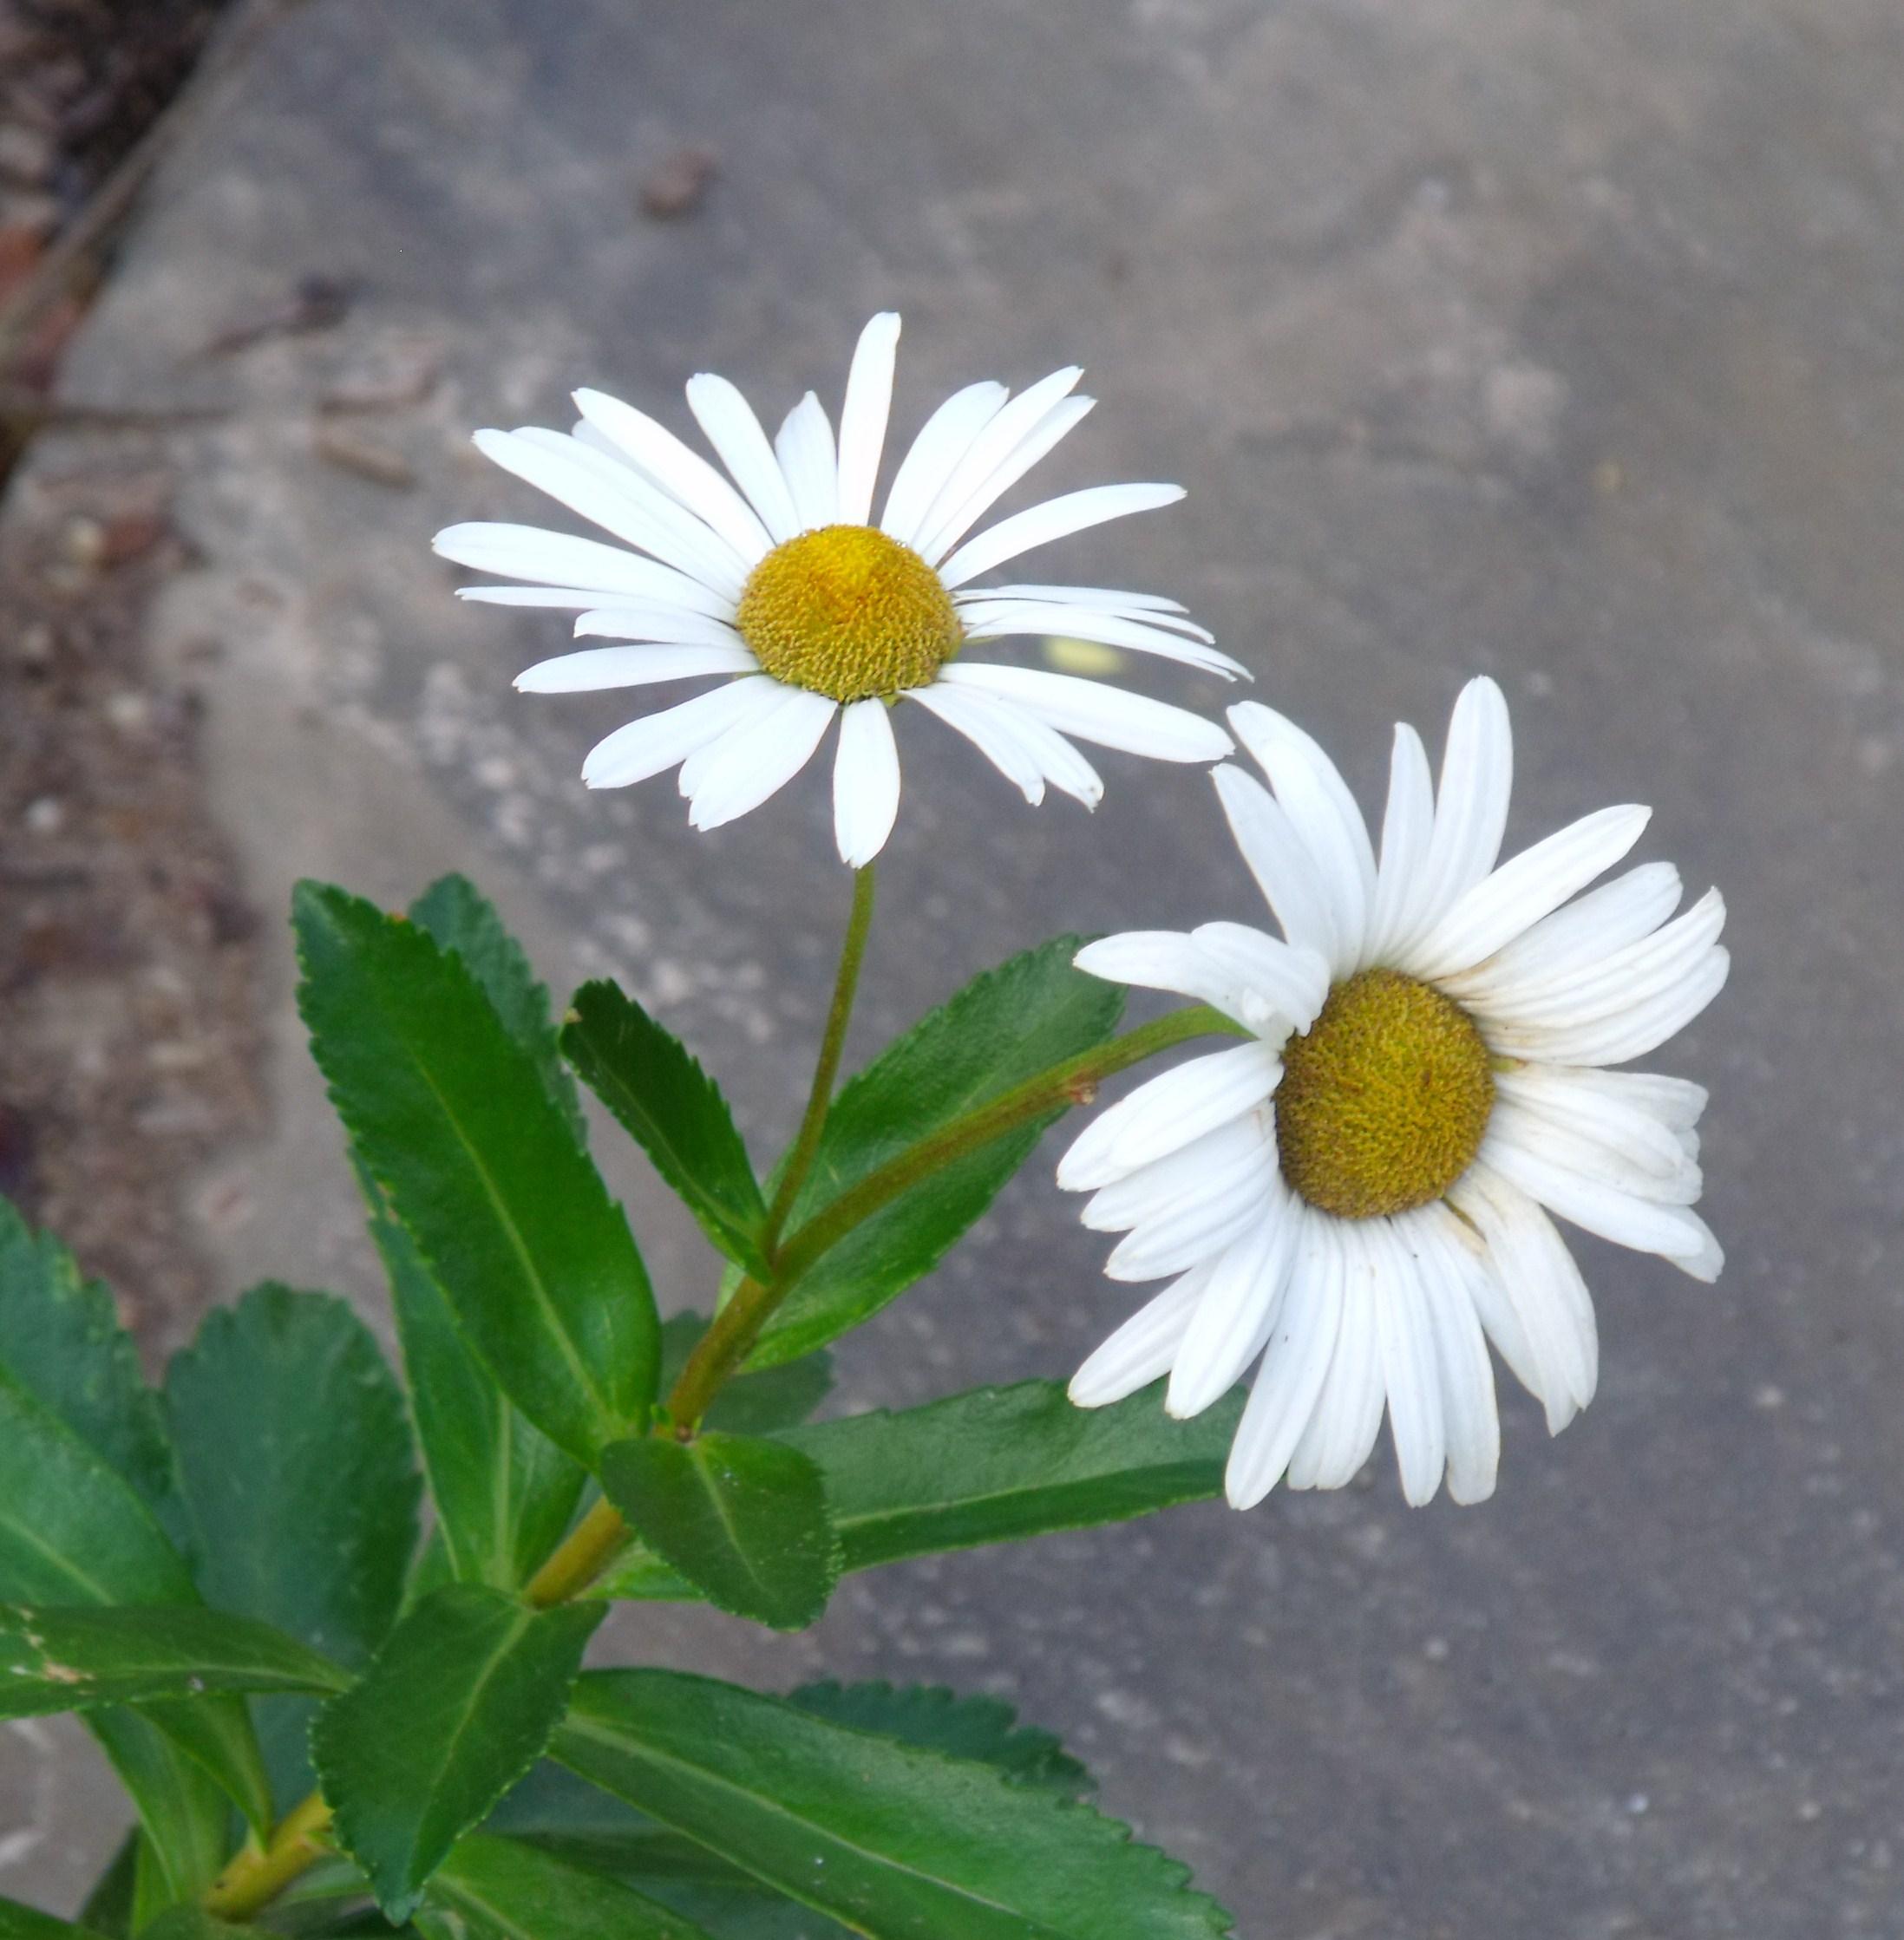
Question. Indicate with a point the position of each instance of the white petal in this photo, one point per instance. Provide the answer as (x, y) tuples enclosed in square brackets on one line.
[(1565, 1100), (1192, 1229), (664, 740), (632, 622), (1168, 960), (1237, 1312), (1105, 597), (616, 499), (1341, 1433), (561, 560), (1630, 1033), (678, 469), (1060, 763), (757, 760), (1436, 1232), (804, 448), (1076, 512), (1289, 986), (1617, 983), (862, 417), (990, 447), (1164, 1114), (943, 441), (1520, 892), (1143, 1348), (1471, 810), (983, 723), (1050, 430), (1470, 1418), (1596, 1206), (999, 620), (734, 431), (1550, 1299), (1590, 927), (1212, 1174), (1295, 1363), (1677, 1103), (1312, 793), (604, 667), (1276, 857), (1411, 1368), (865, 783), (1096, 712), (1408, 827)]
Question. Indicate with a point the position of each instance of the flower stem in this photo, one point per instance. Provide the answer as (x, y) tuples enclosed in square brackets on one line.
[(259, 1873), (846, 983)]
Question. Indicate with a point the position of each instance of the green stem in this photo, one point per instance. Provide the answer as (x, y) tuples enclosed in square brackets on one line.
[(1073, 1082), (846, 983)]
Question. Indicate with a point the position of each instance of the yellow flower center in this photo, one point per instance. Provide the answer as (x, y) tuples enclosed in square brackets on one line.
[(1385, 1101), (849, 613)]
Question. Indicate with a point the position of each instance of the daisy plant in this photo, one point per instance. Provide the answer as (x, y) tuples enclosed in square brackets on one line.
[(326, 1610)]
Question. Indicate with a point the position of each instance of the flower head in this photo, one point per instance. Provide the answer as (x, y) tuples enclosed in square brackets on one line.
[(1358, 1197), (781, 584)]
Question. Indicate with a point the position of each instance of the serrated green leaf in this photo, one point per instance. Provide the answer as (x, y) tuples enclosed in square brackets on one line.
[(459, 1704), (889, 1839), (996, 1465), (86, 1474), (762, 1403), (296, 1463), (660, 1096), (27, 1923), (985, 1729), (743, 1518), (504, 1492), (1006, 1026), (457, 914), (449, 1116), (507, 1890), (77, 1659)]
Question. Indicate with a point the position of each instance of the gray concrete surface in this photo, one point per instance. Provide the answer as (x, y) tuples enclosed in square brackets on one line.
[(1558, 343)]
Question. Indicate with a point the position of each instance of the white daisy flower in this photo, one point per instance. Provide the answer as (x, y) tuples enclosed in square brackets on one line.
[(781, 584), (1358, 1197)]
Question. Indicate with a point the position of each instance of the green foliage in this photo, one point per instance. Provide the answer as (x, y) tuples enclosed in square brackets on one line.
[(763, 1403), (450, 1116), (994, 1465), (889, 1838), (1004, 1026), (507, 1889), (462, 919), (72, 1660), (24, 1922), (744, 1520), (184, 1810), (674, 1111), (457, 1706), (929, 1715)]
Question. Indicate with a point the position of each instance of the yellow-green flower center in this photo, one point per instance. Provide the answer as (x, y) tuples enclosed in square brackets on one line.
[(1384, 1101), (848, 612)]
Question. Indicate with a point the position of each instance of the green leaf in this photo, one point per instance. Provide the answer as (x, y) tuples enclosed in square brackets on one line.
[(61, 1340), (297, 1468), (1004, 1026), (27, 1923), (995, 1464), (459, 1704), (108, 1904), (449, 1116), (511, 1891), (887, 1839), (460, 918), (184, 1810), (193, 1923), (761, 1403), (744, 1519), (673, 1111), (76, 1659), (929, 1715), (504, 1492)]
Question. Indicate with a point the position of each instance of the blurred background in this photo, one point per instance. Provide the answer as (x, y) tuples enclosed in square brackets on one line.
[(1558, 343)]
